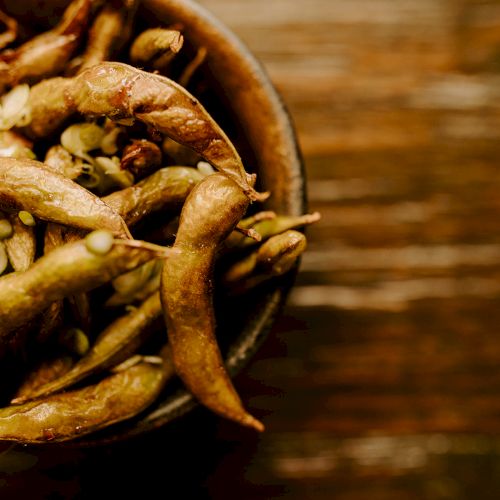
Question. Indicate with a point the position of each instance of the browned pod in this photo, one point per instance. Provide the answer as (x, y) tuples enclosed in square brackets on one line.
[(211, 212), (30, 185)]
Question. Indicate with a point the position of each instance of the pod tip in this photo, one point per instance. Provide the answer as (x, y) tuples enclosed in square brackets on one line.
[(252, 422), (255, 196)]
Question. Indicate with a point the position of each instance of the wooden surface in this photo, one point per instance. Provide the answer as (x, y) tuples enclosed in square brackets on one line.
[(381, 379)]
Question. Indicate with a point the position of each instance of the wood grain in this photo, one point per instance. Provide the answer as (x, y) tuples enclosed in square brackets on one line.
[(388, 346)]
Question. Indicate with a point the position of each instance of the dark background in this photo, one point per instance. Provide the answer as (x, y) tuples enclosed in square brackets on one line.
[(380, 380)]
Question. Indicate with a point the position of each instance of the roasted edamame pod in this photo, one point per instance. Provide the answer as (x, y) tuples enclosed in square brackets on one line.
[(270, 226), (167, 187), (65, 416), (274, 257), (29, 185), (44, 373), (210, 213), (192, 67), (122, 92), (156, 47), (52, 317), (115, 344), (10, 33), (67, 270), (50, 106), (60, 160), (4, 259), (15, 145), (21, 246), (47, 54), (109, 32), (136, 285)]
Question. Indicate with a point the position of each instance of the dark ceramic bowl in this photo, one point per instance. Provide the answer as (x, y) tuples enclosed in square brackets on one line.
[(246, 105)]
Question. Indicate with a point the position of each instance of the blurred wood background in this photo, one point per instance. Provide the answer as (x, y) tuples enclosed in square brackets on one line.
[(385, 366), (381, 378)]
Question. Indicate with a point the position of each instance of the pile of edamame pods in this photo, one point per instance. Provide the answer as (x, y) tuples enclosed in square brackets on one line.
[(119, 194)]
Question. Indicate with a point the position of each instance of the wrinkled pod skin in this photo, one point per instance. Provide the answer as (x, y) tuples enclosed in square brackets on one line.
[(65, 271), (210, 213), (69, 415), (29, 185), (122, 92)]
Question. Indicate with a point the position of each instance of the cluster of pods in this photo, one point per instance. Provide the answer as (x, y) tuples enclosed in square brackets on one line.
[(119, 194)]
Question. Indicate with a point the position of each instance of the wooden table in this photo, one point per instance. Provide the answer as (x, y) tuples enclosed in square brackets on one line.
[(380, 379)]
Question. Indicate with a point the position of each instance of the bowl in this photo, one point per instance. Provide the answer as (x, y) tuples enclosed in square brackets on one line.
[(245, 103)]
